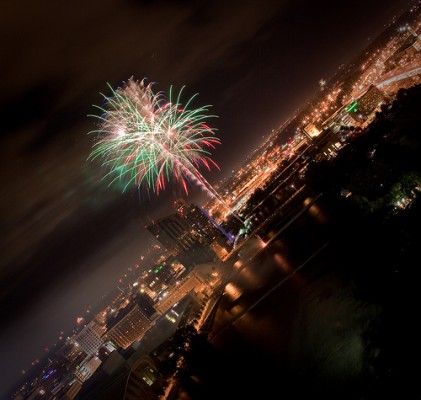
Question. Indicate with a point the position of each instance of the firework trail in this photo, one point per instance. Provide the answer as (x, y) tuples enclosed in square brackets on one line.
[(147, 140)]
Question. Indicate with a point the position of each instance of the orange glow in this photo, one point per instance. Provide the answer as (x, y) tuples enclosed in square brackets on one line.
[(233, 291)]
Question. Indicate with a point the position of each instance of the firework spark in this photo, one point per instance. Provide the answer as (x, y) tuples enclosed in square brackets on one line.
[(145, 139)]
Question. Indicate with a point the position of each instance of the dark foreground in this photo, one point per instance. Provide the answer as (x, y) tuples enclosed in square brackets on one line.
[(344, 326), (330, 308)]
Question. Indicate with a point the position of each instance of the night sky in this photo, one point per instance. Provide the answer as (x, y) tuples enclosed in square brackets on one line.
[(65, 236)]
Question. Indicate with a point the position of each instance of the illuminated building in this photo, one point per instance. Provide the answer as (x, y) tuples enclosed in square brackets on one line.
[(177, 237), (354, 112), (96, 327), (339, 120), (146, 304), (205, 229), (361, 109), (173, 233), (89, 339), (87, 369), (128, 325), (311, 130), (149, 290), (370, 100), (417, 44), (200, 223), (192, 282), (71, 354)]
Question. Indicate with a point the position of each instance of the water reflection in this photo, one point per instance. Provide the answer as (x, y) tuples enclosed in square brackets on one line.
[(289, 321), (232, 291)]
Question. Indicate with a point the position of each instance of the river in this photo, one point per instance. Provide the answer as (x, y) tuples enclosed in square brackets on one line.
[(301, 314)]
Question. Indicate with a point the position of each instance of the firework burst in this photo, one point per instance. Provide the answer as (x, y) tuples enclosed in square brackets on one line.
[(146, 139)]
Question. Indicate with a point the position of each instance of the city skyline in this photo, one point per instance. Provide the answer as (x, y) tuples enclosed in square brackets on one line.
[(59, 197)]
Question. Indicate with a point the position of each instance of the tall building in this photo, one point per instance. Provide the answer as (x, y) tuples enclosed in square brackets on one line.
[(192, 282), (89, 338), (173, 232), (179, 238), (362, 108), (201, 225), (128, 325), (96, 326), (370, 100), (87, 369), (146, 304)]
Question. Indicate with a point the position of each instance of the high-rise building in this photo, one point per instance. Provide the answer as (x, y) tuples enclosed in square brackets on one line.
[(128, 325), (146, 304), (201, 225), (370, 100), (87, 369), (180, 239), (361, 109), (89, 338), (96, 326), (173, 232)]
